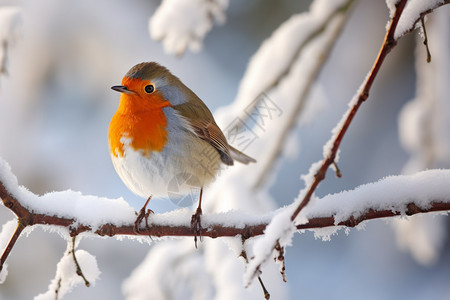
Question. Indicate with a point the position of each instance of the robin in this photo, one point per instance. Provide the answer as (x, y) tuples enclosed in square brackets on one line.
[(162, 129)]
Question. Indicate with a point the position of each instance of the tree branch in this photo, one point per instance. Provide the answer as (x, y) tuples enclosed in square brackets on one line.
[(27, 217)]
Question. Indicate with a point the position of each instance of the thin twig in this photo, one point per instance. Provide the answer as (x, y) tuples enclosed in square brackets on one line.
[(77, 265), (266, 293), (337, 170), (20, 227), (24, 219), (261, 283), (425, 39), (58, 287)]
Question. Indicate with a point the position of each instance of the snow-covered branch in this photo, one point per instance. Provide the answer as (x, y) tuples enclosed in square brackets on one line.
[(427, 191), (414, 12)]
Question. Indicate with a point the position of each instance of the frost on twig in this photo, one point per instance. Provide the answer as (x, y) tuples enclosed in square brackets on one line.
[(184, 23)]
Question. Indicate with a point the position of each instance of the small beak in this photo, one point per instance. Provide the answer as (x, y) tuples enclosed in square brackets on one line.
[(122, 89)]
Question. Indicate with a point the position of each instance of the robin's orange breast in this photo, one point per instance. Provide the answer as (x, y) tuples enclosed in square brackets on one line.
[(146, 131)]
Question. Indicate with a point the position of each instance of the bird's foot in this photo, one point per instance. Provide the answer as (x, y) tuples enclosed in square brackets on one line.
[(196, 225), (144, 213)]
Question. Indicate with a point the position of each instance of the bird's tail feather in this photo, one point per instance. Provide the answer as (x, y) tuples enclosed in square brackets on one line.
[(241, 157)]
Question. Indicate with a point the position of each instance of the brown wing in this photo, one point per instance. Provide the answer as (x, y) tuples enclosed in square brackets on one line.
[(201, 120), (211, 133), (202, 123)]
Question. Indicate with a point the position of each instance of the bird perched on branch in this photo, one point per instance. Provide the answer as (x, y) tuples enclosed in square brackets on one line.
[(162, 129)]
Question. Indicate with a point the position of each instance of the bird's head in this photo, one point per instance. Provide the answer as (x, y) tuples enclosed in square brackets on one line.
[(148, 86)]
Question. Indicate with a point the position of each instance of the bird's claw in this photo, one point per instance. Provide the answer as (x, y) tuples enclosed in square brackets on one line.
[(143, 215), (196, 225)]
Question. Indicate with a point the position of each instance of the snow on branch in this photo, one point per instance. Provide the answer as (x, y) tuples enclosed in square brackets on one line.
[(184, 23), (74, 213), (414, 11)]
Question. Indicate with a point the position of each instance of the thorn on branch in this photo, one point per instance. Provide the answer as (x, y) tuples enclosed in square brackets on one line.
[(425, 39)]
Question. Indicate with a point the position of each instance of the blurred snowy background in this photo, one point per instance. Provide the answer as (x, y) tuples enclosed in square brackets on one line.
[(56, 104)]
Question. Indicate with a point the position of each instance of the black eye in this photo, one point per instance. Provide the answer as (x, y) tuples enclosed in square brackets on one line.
[(149, 88)]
